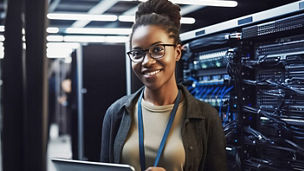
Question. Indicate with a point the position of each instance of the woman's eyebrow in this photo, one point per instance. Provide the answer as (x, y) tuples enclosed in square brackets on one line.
[(155, 43)]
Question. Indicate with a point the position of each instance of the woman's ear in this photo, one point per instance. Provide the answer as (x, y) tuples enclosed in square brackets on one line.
[(178, 52)]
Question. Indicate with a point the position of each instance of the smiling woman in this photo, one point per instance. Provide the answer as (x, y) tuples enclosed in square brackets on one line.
[(156, 70), (161, 126)]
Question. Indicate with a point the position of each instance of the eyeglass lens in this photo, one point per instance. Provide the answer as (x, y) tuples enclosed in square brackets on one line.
[(156, 51)]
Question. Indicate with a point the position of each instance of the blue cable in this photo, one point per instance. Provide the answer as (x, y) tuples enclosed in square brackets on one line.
[(228, 89), (222, 91), (217, 94), (215, 90), (221, 98), (227, 113), (194, 90), (213, 93), (202, 91), (199, 89), (189, 88), (192, 79), (207, 92)]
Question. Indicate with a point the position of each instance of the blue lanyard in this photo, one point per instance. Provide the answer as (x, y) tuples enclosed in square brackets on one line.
[(165, 136)]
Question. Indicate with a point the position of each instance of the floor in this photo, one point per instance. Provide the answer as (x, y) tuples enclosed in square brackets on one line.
[(59, 147)]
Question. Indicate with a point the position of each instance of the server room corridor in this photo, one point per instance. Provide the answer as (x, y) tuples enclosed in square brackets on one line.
[(64, 62)]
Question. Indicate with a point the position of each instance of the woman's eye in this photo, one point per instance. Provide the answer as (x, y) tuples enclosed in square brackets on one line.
[(137, 54), (157, 49)]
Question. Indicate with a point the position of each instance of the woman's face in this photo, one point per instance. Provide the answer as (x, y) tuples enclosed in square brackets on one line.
[(155, 73)]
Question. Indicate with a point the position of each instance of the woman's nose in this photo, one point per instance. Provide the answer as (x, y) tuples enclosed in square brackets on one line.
[(148, 59)]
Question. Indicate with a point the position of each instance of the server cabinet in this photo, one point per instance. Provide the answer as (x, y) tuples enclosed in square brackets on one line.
[(104, 81), (251, 70)]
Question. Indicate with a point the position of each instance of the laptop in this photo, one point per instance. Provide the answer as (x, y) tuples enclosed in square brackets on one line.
[(79, 165)]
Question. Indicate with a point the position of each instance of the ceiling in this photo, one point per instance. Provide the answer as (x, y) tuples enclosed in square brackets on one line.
[(204, 15)]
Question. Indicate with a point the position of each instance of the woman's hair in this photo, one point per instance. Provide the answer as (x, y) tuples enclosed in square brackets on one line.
[(162, 13)]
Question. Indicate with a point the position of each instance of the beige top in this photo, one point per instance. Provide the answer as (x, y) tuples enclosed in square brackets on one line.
[(155, 119)]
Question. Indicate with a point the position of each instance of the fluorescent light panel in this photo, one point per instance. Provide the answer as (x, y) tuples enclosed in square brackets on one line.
[(2, 28), (93, 17), (52, 30), (126, 18), (2, 38), (60, 50), (97, 39), (75, 16), (49, 29), (63, 44), (1, 50), (117, 31), (54, 38), (73, 38), (130, 18), (218, 3), (187, 20), (84, 38)]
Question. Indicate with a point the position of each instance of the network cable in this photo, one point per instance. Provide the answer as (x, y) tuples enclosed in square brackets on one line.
[(207, 92), (223, 93)]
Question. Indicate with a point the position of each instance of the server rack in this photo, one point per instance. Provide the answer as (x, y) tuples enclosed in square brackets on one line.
[(252, 70)]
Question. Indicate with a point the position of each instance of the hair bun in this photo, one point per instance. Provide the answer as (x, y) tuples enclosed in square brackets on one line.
[(160, 7)]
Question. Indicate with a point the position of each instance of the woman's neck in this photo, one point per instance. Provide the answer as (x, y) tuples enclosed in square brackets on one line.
[(162, 96)]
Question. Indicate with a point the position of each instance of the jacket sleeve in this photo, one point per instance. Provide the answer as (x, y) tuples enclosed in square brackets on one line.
[(105, 138), (216, 146)]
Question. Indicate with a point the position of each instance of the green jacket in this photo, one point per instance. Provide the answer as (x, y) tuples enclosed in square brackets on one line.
[(202, 133)]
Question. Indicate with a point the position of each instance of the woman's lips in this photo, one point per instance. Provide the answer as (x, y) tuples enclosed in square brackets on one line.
[(148, 74)]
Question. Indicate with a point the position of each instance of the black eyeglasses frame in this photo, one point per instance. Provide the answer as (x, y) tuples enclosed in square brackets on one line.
[(147, 50)]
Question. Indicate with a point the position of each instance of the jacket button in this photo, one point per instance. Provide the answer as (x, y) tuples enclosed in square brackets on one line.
[(190, 147)]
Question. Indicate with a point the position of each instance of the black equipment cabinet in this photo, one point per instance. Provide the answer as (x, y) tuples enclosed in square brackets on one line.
[(103, 82), (252, 70)]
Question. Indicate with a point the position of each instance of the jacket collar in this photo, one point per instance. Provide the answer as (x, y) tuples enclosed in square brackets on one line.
[(192, 104), (132, 100)]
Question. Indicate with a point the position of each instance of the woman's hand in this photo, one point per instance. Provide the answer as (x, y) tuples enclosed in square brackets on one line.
[(155, 169)]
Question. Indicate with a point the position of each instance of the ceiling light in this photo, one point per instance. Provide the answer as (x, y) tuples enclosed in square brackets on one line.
[(49, 29), (130, 18), (2, 38), (2, 28), (96, 39), (60, 50), (119, 31), (1, 51), (52, 30), (187, 20), (77, 16), (54, 38), (126, 18), (218, 3), (63, 44), (84, 38), (116, 39)]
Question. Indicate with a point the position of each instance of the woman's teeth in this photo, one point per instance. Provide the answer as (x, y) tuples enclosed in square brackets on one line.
[(152, 73)]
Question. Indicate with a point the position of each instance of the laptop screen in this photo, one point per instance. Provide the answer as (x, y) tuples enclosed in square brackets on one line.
[(79, 165)]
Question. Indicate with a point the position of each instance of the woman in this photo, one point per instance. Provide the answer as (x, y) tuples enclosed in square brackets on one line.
[(161, 126)]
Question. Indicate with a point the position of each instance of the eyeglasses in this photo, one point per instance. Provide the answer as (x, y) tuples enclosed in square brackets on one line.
[(155, 51)]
